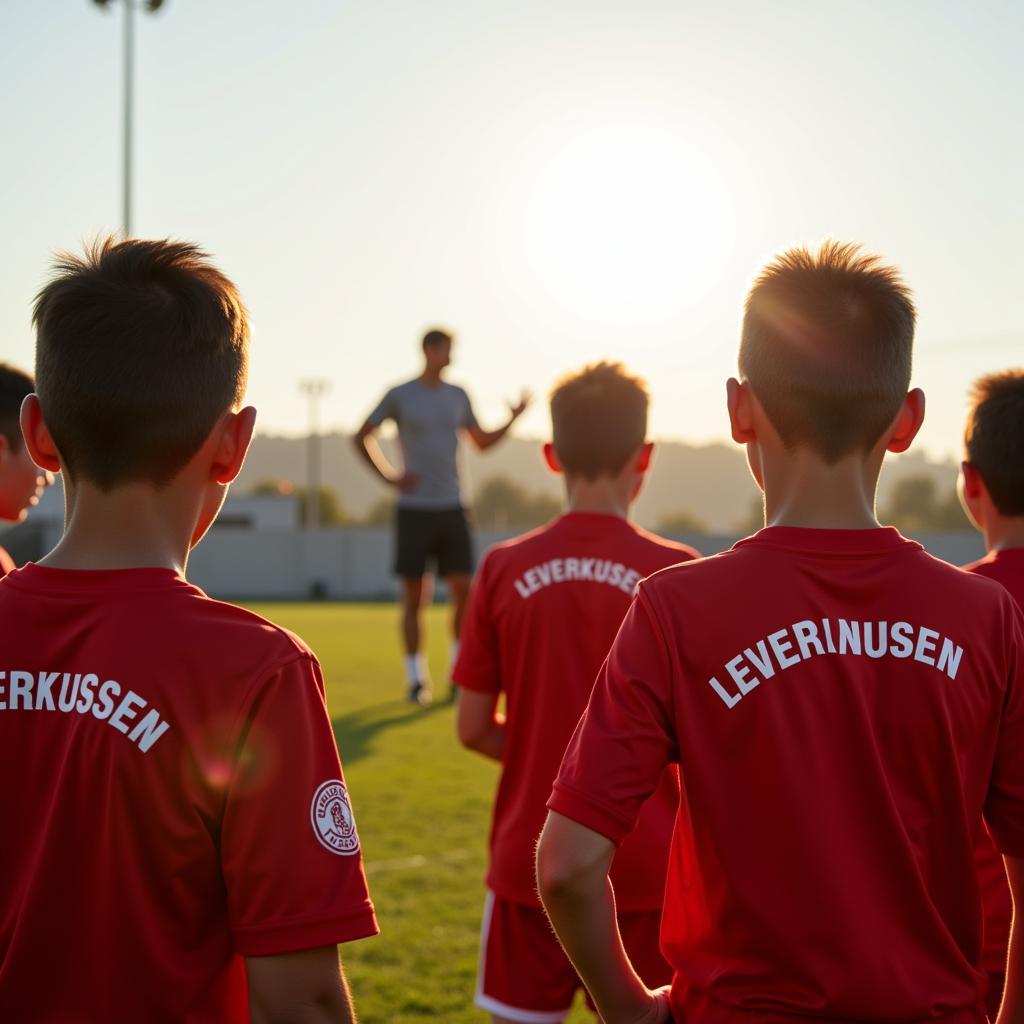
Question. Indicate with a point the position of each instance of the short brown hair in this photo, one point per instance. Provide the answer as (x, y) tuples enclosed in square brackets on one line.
[(15, 384), (994, 438), (436, 337), (826, 346), (141, 347), (598, 419)]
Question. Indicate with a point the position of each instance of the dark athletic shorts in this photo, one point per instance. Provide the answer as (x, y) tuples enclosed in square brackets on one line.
[(438, 535)]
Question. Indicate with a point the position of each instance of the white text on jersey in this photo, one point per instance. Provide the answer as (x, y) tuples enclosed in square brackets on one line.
[(810, 638), (83, 692), (566, 570)]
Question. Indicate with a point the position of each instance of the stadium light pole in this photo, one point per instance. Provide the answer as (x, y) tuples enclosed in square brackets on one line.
[(152, 6), (314, 388)]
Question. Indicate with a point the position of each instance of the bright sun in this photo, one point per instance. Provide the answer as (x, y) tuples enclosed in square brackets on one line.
[(625, 224)]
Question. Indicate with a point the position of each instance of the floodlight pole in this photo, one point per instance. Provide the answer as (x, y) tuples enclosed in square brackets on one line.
[(129, 66), (128, 58), (314, 388)]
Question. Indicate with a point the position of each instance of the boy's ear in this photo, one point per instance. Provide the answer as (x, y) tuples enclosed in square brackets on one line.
[(741, 414), (972, 485), (971, 491), (236, 429), (643, 458), (551, 458), (908, 422), (37, 435)]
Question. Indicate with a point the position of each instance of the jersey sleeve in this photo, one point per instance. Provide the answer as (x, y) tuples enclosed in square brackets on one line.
[(1004, 805), (478, 666), (468, 415), (290, 852), (626, 737), (387, 409)]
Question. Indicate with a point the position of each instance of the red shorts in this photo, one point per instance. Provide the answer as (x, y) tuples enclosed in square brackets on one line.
[(524, 975)]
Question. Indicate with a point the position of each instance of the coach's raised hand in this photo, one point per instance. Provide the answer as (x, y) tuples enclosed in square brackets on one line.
[(516, 410)]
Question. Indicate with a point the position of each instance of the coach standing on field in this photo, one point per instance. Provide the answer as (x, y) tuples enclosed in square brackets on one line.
[(431, 520)]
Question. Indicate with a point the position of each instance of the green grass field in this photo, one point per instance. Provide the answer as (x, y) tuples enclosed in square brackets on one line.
[(422, 805)]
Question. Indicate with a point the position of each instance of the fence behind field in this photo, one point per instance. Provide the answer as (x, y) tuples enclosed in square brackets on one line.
[(352, 563)]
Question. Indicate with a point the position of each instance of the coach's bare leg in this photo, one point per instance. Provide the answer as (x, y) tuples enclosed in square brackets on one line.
[(416, 591), (458, 588)]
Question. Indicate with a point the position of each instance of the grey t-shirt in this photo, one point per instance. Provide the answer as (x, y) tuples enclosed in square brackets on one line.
[(428, 420)]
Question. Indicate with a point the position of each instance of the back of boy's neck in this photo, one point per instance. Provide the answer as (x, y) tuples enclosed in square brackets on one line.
[(129, 531), (821, 519), (811, 495), (595, 498), (1005, 533)]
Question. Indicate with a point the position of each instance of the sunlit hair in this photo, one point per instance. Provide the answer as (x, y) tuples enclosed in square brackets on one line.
[(826, 347), (598, 419), (141, 347), (15, 384), (435, 337), (994, 438)]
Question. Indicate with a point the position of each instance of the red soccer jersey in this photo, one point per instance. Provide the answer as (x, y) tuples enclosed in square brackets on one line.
[(173, 801), (1005, 567), (6, 563), (842, 707), (544, 610)]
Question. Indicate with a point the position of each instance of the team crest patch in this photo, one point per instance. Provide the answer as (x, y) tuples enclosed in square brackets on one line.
[(331, 815)]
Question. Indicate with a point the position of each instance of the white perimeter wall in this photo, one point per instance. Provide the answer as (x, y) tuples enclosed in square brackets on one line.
[(355, 562)]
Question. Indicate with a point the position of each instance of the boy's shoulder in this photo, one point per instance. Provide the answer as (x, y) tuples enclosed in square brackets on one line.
[(620, 541), (983, 566), (961, 584), (523, 546), (244, 633), (696, 571), (748, 564), (1003, 568), (675, 550)]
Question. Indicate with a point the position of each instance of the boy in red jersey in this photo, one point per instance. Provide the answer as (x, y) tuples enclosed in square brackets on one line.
[(992, 492), (179, 842), (21, 480), (843, 708), (544, 610)]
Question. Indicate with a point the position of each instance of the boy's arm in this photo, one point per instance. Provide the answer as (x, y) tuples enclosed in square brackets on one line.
[(477, 671), (307, 987), (572, 874), (1012, 1010), (614, 762), (481, 727), (289, 849)]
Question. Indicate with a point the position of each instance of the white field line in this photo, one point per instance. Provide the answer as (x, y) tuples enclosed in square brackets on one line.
[(374, 867)]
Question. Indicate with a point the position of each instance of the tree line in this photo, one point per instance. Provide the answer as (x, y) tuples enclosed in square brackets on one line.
[(915, 505)]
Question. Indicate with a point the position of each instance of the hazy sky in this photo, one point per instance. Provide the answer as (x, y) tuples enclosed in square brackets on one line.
[(556, 180)]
